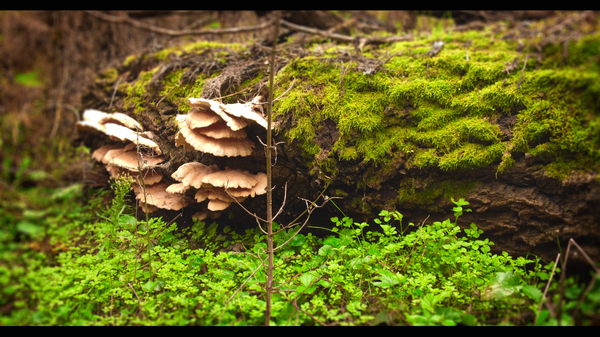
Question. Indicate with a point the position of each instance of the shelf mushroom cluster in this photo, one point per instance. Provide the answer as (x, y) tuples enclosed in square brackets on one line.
[(218, 129), (219, 187), (210, 127), (125, 159)]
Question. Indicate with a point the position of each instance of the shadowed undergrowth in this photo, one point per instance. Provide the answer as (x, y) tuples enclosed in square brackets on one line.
[(68, 270)]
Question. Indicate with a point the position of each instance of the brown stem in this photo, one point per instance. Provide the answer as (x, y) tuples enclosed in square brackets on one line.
[(345, 38), (171, 32), (269, 175)]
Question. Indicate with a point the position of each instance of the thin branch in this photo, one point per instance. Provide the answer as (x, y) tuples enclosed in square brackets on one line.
[(136, 295), (308, 314), (346, 38), (171, 32), (262, 262), (299, 216), (247, 211), (523, 71), (546, 290), (114, 93), (283, 203)]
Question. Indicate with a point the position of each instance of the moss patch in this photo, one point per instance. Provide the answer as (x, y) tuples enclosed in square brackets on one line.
[(445, 109)]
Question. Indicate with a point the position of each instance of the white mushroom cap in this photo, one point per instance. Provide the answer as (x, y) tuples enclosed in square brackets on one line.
[(235, 123), (90, 126), (225, 147), (128, 158), (200, 215), (202, 194), (108, 152), (229, 178), (94, 116), (178, 188), (122, 133), (158, 196), (121, 119), (191, 174), (150, 209), (100, 152), (180, 140), (221, 130), (218, 205), (258, 189), (197, 118), (97, 120), (245, 111)]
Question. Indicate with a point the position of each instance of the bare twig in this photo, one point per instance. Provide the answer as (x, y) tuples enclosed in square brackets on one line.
[(345, 38), (136, 295), (562, 279), (283, 203), (61, 94), (241, 287), (523, 71), (305, 222), (546, 290), (171, 32), (114, 93), (563, 273), (280, 96), (269, 287), (306, 210), (247, 211), (308, 314)]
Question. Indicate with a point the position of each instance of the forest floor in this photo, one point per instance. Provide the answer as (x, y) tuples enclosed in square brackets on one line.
[(73, 254)]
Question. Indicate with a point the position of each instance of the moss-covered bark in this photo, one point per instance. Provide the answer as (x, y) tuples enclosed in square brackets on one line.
[(503, 117)]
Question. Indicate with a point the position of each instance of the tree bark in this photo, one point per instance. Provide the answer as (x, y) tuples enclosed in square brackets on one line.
[(523, 210)]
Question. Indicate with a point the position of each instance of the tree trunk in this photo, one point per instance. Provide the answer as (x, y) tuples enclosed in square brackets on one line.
[(398, 127)]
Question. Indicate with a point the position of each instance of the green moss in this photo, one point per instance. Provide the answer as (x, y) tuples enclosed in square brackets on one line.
[(129, 59), (428, 193), (136, 93), (471, 156), (110, 74), (196, 48), (173, 91), (340, 193), (445, 108), (561, 169)]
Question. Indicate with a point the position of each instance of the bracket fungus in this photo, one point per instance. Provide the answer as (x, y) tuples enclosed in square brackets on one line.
[(216, 128), (157, 195), (210, 127), (218, 186), (127, 160)]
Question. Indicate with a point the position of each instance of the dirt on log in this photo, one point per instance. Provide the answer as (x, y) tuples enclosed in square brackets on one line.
[(502, 118)]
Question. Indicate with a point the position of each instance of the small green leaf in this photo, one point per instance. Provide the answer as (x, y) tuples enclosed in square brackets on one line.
[(29, 79), (469, 320), (532, 292), (28, 228), (307, 279), (387, 279)]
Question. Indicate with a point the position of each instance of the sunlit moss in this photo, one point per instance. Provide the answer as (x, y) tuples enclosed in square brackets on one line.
[(136, 92), (453, 103)]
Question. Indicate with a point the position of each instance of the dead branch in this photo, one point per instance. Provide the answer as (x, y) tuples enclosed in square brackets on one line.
[(283, 203), (546, 290), (523, 71), (346, 38), (242, 286), (159, 30), (563, 273)]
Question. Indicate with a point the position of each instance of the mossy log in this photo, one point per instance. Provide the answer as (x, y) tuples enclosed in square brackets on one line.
[(506, 120)]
